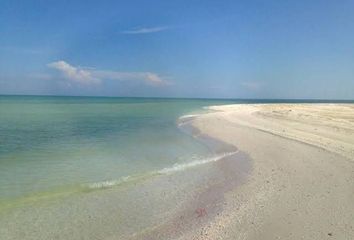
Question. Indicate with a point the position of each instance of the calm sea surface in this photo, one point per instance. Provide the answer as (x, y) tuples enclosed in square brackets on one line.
[(49, 143), (52, 143)]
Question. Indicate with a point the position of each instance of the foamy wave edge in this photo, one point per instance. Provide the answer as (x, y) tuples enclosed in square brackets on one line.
[(182, 166), (108, 183), (168, 170), (186, 119)]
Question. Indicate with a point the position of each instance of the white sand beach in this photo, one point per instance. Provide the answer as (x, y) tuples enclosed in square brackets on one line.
[(302, 183), (288, 173), (176, 120)]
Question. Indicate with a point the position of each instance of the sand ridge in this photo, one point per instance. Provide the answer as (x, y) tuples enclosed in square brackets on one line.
[(302, 184), (329, 126)]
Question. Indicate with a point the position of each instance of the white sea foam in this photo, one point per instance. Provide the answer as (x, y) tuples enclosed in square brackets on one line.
[(182, 166), (109, 183), (189, 116), (175, 168), (186, 119)]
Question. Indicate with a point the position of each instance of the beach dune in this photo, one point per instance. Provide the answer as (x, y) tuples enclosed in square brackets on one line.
[(302, 183)]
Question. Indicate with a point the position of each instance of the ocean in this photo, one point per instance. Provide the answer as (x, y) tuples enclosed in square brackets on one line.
[(72, 165), (51, 144)]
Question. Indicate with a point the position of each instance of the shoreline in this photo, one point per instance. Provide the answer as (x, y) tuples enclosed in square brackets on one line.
[(327, 126), (218, 150), (147, 208), (268, 187), (222, 176), (298, 189)]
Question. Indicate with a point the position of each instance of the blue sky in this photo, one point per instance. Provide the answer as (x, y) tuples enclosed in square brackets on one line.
[(222, 49)]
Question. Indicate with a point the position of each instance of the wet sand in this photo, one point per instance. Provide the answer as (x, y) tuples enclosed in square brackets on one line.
[(281, 181), (302, 184), (167, 204)]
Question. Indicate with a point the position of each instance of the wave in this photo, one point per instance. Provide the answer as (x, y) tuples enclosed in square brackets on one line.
[(168, 170), (181, 122), (182, 166), (109, 183), (63, 192), (188, 116), (185, 119)]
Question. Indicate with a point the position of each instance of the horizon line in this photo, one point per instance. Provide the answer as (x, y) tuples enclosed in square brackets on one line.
[(154, 97)]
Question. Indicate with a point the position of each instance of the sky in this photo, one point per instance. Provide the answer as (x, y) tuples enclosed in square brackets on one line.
[(181, 48)]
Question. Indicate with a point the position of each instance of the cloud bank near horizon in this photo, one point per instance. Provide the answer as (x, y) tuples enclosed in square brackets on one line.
[(91, 76)]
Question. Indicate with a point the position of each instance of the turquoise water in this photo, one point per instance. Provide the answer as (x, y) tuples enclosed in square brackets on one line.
[(54, 143), (97, 168), (49, 143)]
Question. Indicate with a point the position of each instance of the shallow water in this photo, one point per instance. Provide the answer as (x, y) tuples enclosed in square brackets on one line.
[(55, 144), (51, 144), (57, 152), (161, 204)]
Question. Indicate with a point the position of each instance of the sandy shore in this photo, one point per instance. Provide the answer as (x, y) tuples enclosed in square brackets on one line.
[(302, 184), (164, 204), (289, 174)]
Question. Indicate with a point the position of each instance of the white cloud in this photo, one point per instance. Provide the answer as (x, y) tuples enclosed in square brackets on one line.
[(74, 74), (145, 30), (89, 76)]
